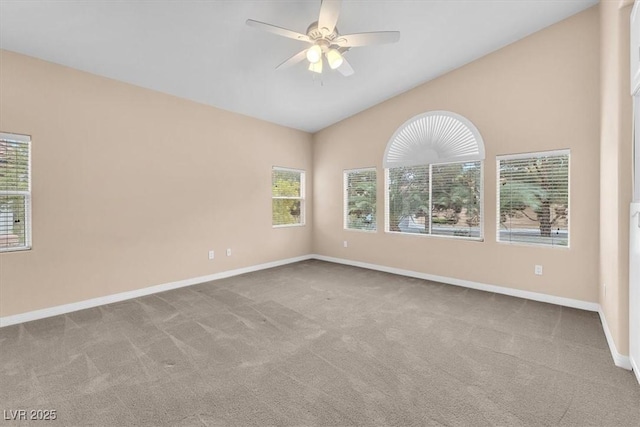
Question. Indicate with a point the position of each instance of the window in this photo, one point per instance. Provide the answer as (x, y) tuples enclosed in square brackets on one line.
[(360, 199), (15, 192), (533, 198), (434, 137), (439, 200), (287, 190)]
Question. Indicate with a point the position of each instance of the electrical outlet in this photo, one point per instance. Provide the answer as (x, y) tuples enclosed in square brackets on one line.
[(211, 254), (345, 244), (538, 270), (229, 252)]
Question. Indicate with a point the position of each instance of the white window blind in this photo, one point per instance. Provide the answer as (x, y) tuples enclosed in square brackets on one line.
[(287, 191), (439, 199), (434, 137), (15, 192), (456, 203), (360, 199), (533, 198)]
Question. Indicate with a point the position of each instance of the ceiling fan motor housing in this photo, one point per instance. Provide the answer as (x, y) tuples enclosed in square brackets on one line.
[(316, 33)]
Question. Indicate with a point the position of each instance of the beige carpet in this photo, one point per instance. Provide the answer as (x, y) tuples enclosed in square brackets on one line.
[(315, 343)]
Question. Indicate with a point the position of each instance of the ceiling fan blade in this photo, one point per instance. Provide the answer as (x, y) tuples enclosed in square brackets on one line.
[(329, 12), (345, 68), (298, 57), (278, 30), (366, 39)]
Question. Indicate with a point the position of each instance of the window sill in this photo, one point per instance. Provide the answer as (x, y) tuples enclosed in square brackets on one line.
[(360, 231), (532, 245), (18, 249), (438, 236)]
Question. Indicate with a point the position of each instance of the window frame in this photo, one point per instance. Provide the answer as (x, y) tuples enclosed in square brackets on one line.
[(301, 198), (480, 238), (28, 244), (345, 200), (531, 155)]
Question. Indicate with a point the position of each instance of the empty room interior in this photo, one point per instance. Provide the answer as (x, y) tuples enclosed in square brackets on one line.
[(322, 213)]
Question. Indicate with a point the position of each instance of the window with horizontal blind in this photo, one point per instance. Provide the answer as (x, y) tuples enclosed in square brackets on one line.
[(15, 192), (287, 192), (360, 199), (533, 198), (437, 199)]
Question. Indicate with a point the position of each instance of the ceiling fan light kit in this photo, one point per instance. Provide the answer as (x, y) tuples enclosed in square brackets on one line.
[(316, 67), (334, 58), (314, 54), (326, 41)]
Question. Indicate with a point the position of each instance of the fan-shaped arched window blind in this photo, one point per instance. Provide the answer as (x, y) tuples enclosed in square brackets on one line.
[(434, 137)]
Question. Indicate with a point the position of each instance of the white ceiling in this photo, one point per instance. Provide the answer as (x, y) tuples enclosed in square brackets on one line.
[(203, 51)]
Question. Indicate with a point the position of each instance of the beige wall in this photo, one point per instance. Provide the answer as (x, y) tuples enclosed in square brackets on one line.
[(541, 93), (131, 187), (615, 169)]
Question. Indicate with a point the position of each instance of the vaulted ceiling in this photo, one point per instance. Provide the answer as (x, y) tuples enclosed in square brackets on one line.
[(203, 51)]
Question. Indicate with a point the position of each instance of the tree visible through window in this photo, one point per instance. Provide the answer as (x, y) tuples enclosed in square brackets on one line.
[(360, 199), (15, 192), (455, 205), (533, 198), (287, 190), (444, 199)]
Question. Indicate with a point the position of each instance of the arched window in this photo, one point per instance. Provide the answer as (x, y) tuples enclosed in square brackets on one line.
[(434, 174), (434, 137)]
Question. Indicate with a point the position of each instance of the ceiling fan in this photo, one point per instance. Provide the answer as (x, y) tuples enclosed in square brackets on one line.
[(325, 40)]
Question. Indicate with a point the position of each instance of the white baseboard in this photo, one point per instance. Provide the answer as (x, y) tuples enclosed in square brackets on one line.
[(619, 359), (110, 299), (635, 368), (567, 302)]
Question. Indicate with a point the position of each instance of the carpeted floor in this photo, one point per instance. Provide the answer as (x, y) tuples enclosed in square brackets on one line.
[(315, 343)]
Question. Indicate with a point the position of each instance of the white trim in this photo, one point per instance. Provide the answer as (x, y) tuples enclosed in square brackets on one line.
[(430, 200), (10, 249), (635, 368), (386, 201), (280, 168), (635, 147), (634, 286), (14, 193), (482, 213), (620, 360), (534, 154), (14, 137), (551, 299), (28, 229), (436, 236), (634, 49), (297, 224), (110, 299), (365, 169)]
